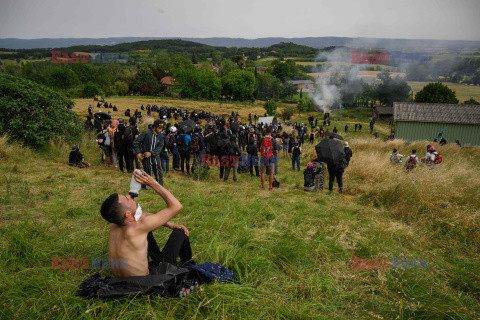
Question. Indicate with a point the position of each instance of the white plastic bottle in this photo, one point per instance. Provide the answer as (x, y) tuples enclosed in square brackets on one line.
[(135, 186)]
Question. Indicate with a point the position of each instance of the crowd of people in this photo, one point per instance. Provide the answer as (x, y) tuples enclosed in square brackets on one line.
[(224, 141)]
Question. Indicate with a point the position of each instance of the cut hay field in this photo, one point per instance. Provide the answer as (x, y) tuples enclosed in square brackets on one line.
[(463, 92), (291, 250)]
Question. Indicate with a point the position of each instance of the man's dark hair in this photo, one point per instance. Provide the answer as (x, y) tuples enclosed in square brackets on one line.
[(414, 151), (157, 123), (394, 150), (268, 130), (112, 210)]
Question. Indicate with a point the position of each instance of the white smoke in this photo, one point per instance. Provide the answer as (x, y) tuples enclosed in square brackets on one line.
[(339, 77)]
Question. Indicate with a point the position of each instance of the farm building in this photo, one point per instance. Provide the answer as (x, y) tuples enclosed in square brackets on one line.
[(268, 120), (304, 85), (383, 113), (424, 121)]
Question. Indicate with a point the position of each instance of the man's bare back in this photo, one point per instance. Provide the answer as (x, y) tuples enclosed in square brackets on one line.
[(128, 244), (128, 241)]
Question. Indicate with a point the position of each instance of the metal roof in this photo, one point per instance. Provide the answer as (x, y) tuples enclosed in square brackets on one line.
[(436, 112), (384, 110), (267, 120), (300, 82)]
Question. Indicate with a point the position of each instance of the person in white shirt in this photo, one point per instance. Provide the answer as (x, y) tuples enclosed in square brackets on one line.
[(395, 157), (411, 161)]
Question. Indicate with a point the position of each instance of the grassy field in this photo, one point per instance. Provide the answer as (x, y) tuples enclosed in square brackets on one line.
[(463, 92), (291, 250)]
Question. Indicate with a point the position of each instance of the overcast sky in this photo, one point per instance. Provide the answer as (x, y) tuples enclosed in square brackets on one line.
[(411, 19)]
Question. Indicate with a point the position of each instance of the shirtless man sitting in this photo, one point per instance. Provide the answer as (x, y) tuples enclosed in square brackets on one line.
[(131, 240)]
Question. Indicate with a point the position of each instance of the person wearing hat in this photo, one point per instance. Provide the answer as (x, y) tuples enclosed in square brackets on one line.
[(430, 156), (76, 158)]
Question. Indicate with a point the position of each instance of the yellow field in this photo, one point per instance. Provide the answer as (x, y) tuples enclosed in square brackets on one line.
[(463, 92)]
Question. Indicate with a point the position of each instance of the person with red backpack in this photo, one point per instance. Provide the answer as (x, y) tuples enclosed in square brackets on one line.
[(267, 150), (411, 161)]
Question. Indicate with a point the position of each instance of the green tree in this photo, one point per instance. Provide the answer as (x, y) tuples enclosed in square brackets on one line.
[(238, 59), (63, 78), (198, 84), (305, 105), (34, 113), (393, 90), (194, 59), (239, 84), (282, 71), (471, 101), (145, 82), (91, 89), (270, 106), (121, 87), (267, 86), (436, 93)]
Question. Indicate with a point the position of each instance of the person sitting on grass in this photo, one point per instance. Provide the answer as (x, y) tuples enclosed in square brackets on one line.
[(131, 238), (411, 161), (309, 176), (76, 158), (395, 157)]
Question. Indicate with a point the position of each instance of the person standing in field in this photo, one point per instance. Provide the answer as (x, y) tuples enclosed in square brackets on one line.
[(147, 148), (296, 152), (267, 149)]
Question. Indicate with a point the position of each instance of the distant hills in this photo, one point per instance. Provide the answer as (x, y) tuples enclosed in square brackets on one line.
[(314, 42)]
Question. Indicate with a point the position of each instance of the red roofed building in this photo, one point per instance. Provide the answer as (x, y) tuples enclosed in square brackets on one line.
[(167, 81)]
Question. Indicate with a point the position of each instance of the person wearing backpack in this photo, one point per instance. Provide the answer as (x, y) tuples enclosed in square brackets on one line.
[(411, 161), (183, 142), (267, 150), (296, 152), (395, 157), (147, 147)]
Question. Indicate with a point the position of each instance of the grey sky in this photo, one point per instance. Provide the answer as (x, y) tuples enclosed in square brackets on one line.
[(411, 19)]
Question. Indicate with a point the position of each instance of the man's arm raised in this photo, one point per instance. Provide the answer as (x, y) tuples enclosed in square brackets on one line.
[(153, 221)]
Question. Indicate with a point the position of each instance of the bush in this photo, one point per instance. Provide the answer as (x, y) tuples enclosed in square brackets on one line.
[(270, 106), (91, 89), (121, 87), (34, 114), (287, 113)]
